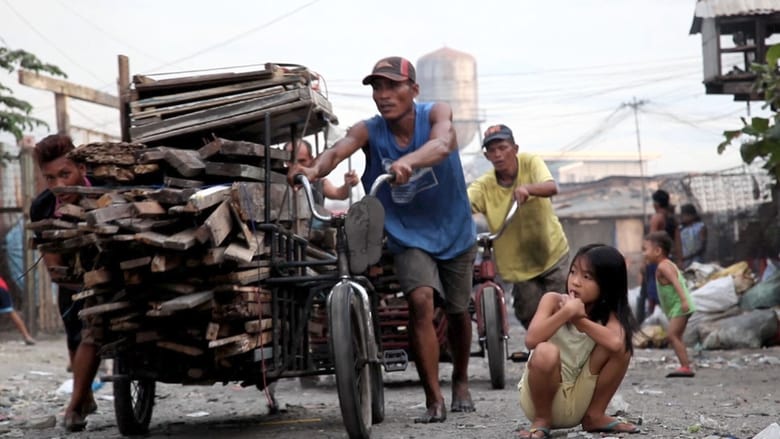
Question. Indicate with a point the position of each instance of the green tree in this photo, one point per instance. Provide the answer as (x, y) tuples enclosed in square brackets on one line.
[(15, 115), (762, 134)]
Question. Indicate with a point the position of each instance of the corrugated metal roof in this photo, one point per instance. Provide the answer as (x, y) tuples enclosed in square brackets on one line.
[(722, 8)]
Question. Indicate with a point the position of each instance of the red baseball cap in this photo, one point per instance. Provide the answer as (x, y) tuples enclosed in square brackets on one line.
[(393, 68)]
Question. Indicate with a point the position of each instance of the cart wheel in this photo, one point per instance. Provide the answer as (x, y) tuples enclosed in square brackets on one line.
[(133, 403), (377, 394), (493, 337), (347, 337)]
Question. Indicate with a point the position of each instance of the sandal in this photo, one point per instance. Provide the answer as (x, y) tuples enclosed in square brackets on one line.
[(74, 422), (681, 372), (612, 427), (519, 356), (531, 433)]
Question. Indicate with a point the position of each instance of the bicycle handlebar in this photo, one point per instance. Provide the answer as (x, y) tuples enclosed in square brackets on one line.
[(303, 181), (389, 177), (492, 237)]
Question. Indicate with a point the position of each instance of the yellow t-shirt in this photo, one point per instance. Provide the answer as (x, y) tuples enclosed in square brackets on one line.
[(534, 241)]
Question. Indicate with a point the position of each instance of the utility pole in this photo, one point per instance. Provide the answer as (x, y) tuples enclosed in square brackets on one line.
[(634, 105)]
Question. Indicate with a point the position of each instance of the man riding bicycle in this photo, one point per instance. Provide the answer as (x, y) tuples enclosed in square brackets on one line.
[(533, 252)]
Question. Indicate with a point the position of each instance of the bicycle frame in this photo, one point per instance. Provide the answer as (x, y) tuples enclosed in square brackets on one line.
[(485, 274)]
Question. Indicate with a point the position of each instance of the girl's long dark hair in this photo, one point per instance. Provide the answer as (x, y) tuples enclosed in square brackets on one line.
[(609, 270)]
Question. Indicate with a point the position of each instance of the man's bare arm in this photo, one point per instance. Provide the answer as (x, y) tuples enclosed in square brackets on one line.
[(441, 143), (356, 138)]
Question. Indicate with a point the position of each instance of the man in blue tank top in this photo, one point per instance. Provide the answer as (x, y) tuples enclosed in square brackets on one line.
[(427, 218)]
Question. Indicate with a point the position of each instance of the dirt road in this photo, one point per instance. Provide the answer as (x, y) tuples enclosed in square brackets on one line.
[(734, 393)]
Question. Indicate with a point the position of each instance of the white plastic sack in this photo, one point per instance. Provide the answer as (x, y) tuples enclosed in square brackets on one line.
[(716, 295)]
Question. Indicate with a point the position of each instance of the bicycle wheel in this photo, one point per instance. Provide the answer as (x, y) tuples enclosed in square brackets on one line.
[(494, 339), (133, 403), (348, 344)]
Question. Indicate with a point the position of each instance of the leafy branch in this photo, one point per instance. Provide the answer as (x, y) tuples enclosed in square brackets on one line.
[(763, 134)]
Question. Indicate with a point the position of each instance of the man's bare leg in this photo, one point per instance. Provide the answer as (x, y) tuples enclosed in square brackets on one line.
[(425, 347), (85, 365), (459, 338)]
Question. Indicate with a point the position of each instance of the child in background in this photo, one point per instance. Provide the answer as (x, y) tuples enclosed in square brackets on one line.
[(673, 295), (580, 343), (7, 307), (693, 236)]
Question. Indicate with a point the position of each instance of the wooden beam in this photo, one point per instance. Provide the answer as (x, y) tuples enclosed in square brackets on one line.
[(75, 91)]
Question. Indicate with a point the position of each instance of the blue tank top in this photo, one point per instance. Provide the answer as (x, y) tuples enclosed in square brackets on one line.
[(432, 211)]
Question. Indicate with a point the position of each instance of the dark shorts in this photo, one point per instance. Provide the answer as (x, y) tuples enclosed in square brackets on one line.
[(652, 290), (527, 294), (450, 279), (69, 310), (6, 302)]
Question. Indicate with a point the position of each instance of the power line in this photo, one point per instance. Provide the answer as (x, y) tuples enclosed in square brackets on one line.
[(238, 36), (45, 38), (102, 30)]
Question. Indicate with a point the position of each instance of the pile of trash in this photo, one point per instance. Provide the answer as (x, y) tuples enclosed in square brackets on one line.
[(733, 310)]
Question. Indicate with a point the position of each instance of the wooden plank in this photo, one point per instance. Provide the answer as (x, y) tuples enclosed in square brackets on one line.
[(205, 93), (253, 326), (171, 196), (177, 287), (212, 331), (241, 148), (198, 119), (162, 263), (84, 191), (103, 308), (183, 240), (242, 171), (88, 203), (228, 340), (111, 198), (210, 149), (113, 172), (110, 213), (75, 91), (147, 85), (67, 210), (181, 182), (181, 348), (205, 198), (86, 293), (97, 277), (150, 155), (248, 198), (245, 344), (185, 161), (135, 263), (145, 224), (60, 234), (189, 301), (146, 209), (151, 238), (169, 111), (100, 229), (250, 276), (69, 245), (50, 223), (220, 224), (214, 256)]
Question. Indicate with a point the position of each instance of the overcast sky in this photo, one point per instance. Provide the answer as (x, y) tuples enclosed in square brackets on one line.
[(553, 70)]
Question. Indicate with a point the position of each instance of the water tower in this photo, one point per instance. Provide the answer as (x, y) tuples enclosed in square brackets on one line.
[(450, 76)]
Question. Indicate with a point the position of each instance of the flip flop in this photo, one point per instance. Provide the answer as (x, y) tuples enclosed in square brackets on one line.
[(612, 427), (533, 430), (439, 415), (74, 422), (681, 372)]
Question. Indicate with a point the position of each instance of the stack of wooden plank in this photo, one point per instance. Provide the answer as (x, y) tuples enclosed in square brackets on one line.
[(234, 105), (178, 268)]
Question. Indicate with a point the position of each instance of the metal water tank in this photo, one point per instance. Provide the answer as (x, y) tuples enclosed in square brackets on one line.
[(450, 76)]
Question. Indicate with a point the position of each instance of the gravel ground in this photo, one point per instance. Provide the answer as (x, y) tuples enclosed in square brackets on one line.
[(734, 393)]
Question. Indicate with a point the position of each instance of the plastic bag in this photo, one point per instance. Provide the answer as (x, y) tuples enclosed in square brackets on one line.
[(751, 329), (716, 295)]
